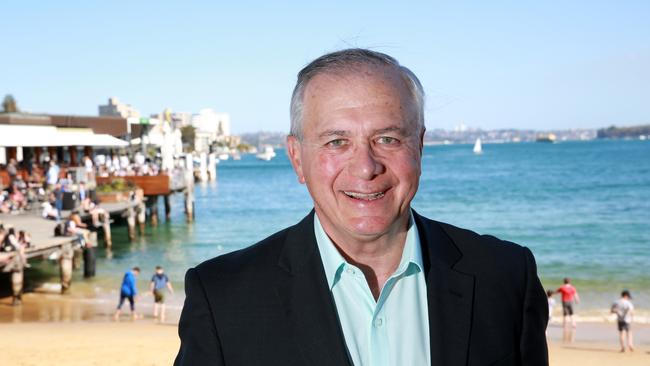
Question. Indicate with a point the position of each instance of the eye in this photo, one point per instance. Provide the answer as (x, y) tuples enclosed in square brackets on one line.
[(387, 140), (336, 143)]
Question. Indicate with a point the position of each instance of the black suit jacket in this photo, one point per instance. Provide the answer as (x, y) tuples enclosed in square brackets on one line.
[(269, 304)]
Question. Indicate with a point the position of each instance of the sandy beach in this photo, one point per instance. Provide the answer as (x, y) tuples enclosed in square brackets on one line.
[(51, 330)]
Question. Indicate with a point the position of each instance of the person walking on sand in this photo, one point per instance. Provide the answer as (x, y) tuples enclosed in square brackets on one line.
[(569, 298), (551, 305), (159, 281), (624, 311), (128, 291)]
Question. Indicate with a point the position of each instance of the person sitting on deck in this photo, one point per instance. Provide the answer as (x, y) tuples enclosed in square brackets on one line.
[(10, 243), (49, 211), (76, 227), (24, 239), (5, 205), (17, 198), (3, 233), (97, 213)]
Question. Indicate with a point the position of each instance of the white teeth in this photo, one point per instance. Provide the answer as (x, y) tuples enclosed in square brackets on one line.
[(365, 196)]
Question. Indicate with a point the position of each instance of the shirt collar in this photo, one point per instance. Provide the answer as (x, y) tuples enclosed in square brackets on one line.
[(333, 261)]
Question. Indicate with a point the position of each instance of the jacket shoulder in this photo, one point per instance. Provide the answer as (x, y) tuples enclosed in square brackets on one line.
[(483, 253), (473, 241), (256, 257)]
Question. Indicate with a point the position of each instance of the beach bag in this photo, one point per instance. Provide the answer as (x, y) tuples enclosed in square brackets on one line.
[(59, 229)]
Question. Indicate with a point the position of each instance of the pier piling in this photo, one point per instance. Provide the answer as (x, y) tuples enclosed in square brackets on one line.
[(152, 202), (130, 221), (65, 267), (89, 261), (141, 216), (168, 208), (106, 226), (17, 285)]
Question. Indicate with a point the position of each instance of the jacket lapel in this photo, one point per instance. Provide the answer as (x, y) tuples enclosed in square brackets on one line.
[(311, 312), (450, 295)]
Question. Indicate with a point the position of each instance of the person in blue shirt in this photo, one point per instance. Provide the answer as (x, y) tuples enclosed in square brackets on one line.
[(160, 281), (128, 291)]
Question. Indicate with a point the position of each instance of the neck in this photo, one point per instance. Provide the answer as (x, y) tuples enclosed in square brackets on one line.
[(377, 257)]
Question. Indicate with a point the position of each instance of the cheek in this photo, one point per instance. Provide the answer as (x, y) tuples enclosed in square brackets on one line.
[(408, 170), (327, 167)]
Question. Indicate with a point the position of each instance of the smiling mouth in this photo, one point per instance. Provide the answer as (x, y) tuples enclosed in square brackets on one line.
[(364, 196)]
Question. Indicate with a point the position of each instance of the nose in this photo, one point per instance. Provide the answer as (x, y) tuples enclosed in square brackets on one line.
[(364, 164)]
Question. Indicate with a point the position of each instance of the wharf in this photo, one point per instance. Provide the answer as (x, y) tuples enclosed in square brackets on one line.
[(45, 244), (43, 241)]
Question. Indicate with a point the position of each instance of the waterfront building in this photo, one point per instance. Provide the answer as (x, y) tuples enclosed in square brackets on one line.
[(211, 127), (115, 108)]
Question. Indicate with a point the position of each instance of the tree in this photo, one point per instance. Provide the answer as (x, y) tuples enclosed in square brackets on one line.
[(188, 134), (9, 104)]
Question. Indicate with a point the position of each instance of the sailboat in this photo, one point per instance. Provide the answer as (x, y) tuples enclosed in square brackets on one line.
[(478, 148)]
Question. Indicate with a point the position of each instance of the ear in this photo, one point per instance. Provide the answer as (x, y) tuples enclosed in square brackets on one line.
[(294, 151), (424, 130)]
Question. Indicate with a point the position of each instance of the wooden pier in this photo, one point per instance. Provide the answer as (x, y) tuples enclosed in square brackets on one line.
[(44, 244)]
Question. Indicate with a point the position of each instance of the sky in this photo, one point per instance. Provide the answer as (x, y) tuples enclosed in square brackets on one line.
[(485, 64)]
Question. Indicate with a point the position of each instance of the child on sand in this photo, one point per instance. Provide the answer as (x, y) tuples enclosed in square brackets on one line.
[(624, 311), (551, 304), (158, 283), (128, 291)]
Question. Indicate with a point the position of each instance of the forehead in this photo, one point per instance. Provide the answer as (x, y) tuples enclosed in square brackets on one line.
[(369, 94)]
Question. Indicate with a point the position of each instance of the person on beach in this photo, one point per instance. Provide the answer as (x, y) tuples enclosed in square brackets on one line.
[(624, 311), (128, 291), (364, 279), (160, 282), (570, 297), (551, 305)]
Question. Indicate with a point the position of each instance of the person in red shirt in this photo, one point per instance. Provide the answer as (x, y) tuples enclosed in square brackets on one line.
[(569, 297)]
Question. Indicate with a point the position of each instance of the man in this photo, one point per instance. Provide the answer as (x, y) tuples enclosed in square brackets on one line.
[(624, 311), (52, 175), (12, 171), (364, 279), (569, 298), (128, 291), (160, 281)]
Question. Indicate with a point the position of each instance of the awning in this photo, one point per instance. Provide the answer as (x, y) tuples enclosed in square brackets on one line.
[(42, 136)]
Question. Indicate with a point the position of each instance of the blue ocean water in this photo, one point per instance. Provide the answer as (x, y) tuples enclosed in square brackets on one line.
[(582, 207)]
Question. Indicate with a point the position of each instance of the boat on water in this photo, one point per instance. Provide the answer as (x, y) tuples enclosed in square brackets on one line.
[(223, 156), (547, 137), (478, 147), (267, 154)]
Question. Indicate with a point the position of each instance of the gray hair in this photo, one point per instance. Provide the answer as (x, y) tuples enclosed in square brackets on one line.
[(345, 61)]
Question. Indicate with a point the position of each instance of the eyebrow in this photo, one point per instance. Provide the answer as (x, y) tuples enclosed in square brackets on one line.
[(329, 133), (390, 129), (342, 133)]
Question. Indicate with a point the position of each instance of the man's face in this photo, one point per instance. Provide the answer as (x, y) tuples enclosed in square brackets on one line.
[(360, 154)]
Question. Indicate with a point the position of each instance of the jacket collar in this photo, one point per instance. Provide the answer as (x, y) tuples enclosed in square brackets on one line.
[(450, 294), (309, 305)]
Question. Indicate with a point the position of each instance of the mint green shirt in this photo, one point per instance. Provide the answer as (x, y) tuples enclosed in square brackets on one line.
[(394, 330)]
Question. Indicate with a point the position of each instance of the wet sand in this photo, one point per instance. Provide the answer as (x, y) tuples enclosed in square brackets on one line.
[(56, 330)]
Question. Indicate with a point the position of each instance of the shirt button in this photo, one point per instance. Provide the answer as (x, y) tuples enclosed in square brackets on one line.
[(379, 322), (350, 271)]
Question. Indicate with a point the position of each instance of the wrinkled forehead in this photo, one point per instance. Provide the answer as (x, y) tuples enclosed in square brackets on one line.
[(350, 88)]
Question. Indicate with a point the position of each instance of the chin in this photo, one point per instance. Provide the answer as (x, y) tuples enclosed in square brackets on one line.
[(370, 226)]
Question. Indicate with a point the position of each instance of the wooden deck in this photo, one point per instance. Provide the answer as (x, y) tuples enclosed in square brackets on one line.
[(42, 230)]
